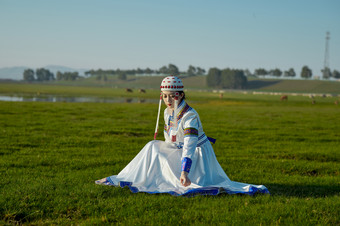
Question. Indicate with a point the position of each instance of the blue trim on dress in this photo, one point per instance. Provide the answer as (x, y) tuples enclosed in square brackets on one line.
[(202, 142), (202, 136), (109, 181), (213, 191), (121, 184), (212, 140), (186, 164), (192, 192), (180, 145)]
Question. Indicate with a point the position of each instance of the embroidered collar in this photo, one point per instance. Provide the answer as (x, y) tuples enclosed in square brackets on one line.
[(183, 107)]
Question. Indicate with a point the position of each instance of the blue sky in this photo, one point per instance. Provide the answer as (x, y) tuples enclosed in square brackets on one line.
[(111, 34)]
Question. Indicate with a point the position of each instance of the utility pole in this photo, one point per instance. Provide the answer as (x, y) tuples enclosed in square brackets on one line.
[(326, 72)]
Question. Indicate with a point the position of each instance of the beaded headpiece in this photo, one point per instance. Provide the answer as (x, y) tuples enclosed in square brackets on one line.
[(172, 83)]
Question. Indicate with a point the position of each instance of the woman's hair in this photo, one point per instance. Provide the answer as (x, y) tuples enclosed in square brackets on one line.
[(180, 93)]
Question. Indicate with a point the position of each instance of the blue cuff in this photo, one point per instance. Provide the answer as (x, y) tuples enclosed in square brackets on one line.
[(186, 164)]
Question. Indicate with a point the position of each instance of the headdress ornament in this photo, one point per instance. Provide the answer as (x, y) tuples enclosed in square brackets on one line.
[(172, 83)]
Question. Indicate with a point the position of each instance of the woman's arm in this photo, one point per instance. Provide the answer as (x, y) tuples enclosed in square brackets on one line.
[(190, 127)]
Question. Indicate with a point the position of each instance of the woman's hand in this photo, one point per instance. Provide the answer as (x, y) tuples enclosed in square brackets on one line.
[(184, 179)]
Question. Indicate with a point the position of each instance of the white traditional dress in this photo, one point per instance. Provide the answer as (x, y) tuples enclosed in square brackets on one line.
[(157, 167)]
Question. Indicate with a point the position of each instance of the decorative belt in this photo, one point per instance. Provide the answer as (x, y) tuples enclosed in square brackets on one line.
[(202, 139)]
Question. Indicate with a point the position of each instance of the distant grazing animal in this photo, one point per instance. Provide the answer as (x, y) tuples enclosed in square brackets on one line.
[(284, 98), (128, 90), (221, 95), (336, 102), (313, 102), (142, 91)]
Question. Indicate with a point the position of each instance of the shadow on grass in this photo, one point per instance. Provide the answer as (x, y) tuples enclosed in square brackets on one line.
[(303, 191), (257, 84)]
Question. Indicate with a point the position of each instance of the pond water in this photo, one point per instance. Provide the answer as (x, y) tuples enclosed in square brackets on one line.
[(55, 98)]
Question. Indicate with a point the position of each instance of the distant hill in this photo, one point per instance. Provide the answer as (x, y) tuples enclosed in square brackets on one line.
[(16, 73)]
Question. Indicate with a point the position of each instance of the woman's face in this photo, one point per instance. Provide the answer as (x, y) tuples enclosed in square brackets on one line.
[(169, 99)]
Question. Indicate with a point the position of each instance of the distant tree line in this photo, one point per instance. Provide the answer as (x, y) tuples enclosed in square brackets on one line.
[(275, 72), (171, 69), (326, 73), (193, 71), (41, 74), (67, 76), (306, 72), (226, 78)]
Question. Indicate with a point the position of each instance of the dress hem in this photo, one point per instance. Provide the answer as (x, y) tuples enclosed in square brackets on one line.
[(192, 192)]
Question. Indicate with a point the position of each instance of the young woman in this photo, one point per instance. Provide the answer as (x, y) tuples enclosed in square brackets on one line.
[(185, 164)]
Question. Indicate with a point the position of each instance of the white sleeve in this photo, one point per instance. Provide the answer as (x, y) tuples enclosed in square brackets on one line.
[(166, 120), (190, 127)]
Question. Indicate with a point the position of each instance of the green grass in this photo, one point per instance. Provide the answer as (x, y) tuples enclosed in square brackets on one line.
[(51, 154)]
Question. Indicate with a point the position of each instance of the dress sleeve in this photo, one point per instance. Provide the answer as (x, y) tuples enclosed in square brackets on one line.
[(166, 120), (190, 127)]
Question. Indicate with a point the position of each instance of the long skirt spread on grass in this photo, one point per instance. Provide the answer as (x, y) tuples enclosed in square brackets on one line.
[(157, 169)]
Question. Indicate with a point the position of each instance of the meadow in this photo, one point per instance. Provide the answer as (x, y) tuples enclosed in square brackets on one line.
[(51, 154)]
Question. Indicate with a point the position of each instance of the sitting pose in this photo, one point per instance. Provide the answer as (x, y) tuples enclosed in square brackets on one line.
[(185, 164)]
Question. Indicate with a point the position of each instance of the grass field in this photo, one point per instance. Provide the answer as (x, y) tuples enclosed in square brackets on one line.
[(51, 154)]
